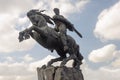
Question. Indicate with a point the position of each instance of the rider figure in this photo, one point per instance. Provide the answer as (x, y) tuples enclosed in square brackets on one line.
[(60, 27)]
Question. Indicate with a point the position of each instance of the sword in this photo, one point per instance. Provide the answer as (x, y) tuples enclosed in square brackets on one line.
[(79, 34)]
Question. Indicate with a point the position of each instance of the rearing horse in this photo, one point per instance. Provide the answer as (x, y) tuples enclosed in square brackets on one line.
[(50, 39)]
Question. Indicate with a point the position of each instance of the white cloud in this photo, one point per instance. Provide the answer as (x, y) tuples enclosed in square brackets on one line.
[(108, 24), (21, 70), (9, 59), (103, 54), (9, 35), (27, 71), (28, 58), (10, 19), (101, 73), (15, 6), (108, 53), (116, 62), (66, 6), (39, 63)]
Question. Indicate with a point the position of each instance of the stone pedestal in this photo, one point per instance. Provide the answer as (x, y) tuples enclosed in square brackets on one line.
[(59, 73)]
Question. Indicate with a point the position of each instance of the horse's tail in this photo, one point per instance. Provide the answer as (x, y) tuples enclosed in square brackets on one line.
[(75, 47)]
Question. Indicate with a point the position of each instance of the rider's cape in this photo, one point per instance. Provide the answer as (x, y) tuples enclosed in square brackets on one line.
[(67, 23)]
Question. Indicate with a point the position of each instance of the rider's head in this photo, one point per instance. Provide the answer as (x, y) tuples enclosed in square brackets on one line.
[(56, 11)]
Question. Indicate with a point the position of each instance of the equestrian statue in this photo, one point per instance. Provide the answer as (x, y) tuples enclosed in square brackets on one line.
[(53, 38)]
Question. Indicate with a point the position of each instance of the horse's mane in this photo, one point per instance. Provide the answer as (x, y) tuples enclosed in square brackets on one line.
[(47, 18)]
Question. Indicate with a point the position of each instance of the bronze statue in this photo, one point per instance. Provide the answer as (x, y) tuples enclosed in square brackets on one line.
[(46, 36)]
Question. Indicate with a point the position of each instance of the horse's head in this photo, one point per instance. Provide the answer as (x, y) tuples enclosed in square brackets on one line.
[(32, 12), (31, 15), (35, 16), (23, 36)]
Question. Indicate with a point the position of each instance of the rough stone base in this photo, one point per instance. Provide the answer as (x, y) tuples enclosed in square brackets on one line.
[(59, 73)]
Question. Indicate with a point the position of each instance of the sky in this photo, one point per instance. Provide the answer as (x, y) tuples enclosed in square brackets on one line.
[(97, 20)]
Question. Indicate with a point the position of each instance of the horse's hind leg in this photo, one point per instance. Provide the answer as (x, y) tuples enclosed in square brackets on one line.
[(72, 54), (54, 60), (67, 59), (77, 63)]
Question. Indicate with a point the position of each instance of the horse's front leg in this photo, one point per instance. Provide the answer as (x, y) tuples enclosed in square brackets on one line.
[(28, 30), (25, 34), (21, 36), (54, 60)]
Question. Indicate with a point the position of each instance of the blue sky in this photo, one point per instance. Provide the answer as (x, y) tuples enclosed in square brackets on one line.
[(97, 20)]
